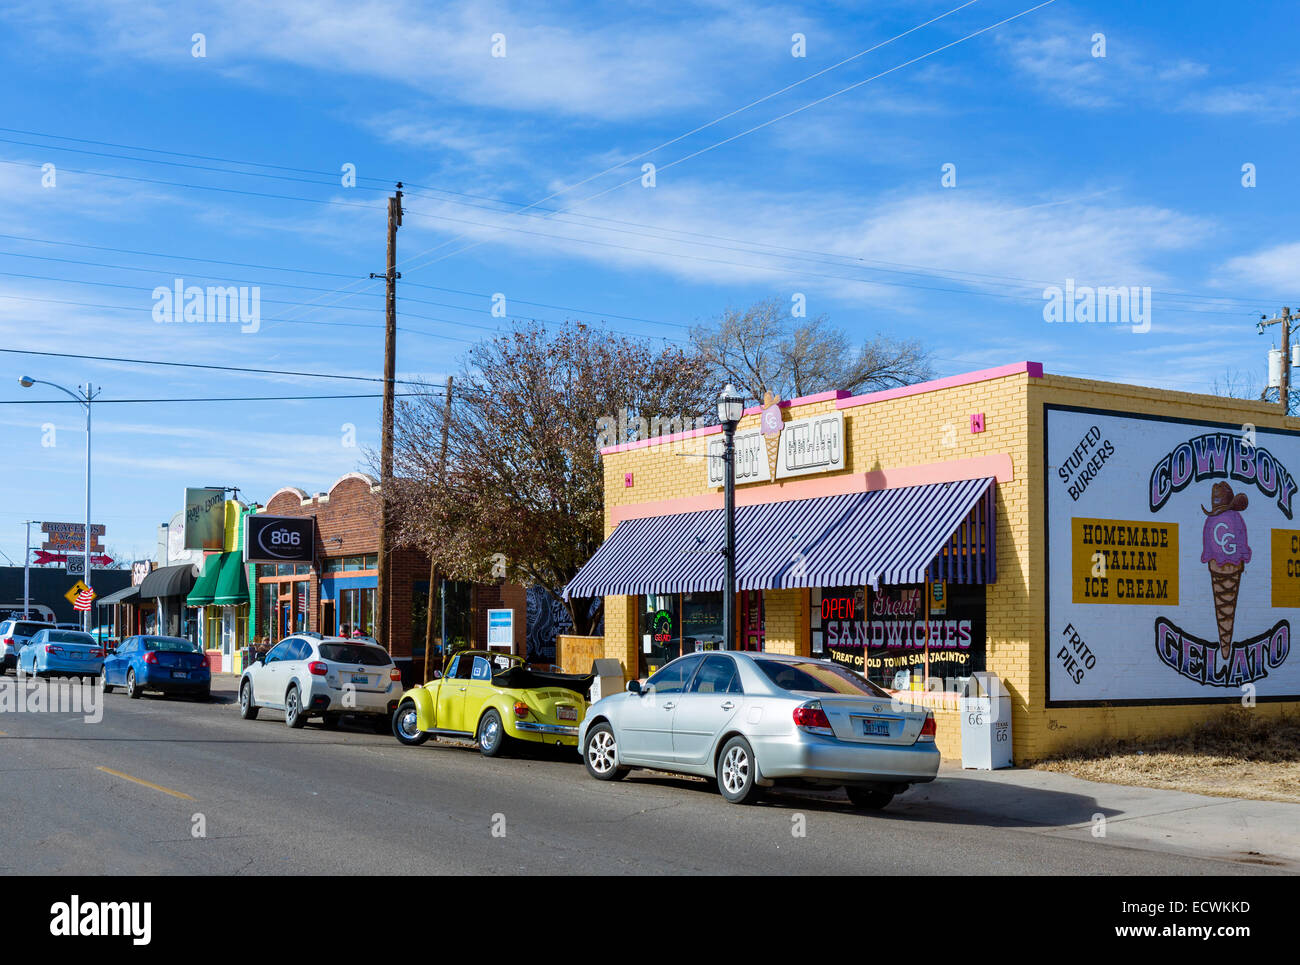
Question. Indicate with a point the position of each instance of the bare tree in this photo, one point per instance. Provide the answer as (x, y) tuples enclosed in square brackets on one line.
[(523, 495), (762, 349)]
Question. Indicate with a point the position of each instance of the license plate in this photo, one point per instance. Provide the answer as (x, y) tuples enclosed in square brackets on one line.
[(180, 673), (872, 727), (359, 679), (566, 713)]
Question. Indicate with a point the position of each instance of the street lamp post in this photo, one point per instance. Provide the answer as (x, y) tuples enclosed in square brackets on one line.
[(27, 572), (730, 408), (85, 397)]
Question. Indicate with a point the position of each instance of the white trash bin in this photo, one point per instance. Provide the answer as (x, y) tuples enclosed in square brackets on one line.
[(985, 723)]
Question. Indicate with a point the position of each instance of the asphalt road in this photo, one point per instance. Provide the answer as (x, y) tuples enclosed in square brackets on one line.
[(129, 794)]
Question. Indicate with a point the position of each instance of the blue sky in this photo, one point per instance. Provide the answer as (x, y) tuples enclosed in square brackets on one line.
[(1123, 170)]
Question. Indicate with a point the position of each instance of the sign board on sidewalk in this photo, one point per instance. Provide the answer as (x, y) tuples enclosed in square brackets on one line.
[(501, 630)]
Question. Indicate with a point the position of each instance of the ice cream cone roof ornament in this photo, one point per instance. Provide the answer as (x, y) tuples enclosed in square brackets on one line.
[(1222, 500), (771, 422)]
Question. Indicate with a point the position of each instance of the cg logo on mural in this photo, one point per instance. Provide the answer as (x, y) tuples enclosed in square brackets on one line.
[(1225, 551)]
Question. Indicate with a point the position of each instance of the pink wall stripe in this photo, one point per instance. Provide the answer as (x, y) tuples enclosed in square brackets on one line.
[(1033, 369), (843, 400)]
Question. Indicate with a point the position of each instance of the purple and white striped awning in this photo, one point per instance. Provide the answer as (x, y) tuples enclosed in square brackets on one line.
[(889, 536)]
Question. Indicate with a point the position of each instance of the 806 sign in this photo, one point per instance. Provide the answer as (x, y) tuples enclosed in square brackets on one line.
[(280, 539)]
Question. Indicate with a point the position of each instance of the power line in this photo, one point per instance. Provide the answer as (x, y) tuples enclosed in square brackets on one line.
[(233, 398), (202, 365)]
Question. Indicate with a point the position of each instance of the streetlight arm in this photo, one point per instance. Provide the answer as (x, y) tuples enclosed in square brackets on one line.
[(84, 400)]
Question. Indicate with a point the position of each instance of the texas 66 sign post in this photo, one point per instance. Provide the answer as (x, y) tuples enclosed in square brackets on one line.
[(279, 539)]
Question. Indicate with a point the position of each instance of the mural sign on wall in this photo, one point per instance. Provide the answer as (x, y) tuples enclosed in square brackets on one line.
[(1173, 559)]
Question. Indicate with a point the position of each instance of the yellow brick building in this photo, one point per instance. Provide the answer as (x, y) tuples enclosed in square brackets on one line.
[(1095, 627)]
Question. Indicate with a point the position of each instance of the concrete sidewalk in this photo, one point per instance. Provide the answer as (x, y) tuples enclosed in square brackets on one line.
[(1261, 833)]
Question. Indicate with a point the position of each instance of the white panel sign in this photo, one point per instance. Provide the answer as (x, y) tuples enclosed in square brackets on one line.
[(1173, 557), (803, 448)]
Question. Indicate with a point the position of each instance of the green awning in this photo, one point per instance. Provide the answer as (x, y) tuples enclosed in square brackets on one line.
[(232, 581), (204, 586)]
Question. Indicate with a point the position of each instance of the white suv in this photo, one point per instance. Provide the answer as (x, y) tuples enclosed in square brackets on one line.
[(14, 635), (327, 677)]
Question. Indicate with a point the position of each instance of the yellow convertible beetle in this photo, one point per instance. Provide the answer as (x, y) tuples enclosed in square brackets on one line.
[(493, 698)]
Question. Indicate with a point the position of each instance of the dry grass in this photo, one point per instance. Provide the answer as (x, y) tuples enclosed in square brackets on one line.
[(1239, 754)]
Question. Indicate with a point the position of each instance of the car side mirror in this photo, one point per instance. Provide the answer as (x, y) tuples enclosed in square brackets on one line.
[(634, 687), (437, 675)]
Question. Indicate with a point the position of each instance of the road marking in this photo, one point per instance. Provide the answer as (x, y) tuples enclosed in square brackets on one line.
[(136, 780)]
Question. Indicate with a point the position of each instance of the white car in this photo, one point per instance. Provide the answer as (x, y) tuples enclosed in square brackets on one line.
[(327, 677), (14, 635)]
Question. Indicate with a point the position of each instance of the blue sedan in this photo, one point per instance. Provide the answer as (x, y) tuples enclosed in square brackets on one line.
[(170, 665), (68, 652)]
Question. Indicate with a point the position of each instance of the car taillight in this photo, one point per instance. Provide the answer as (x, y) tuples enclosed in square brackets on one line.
[(51, 648), (318, 668), (521, 709), (395, 674), (97, 653), (7, 641), (928, 729), (151, 657), (812, 718)]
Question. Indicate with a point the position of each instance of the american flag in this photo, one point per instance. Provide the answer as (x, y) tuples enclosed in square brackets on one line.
[(83, 600)]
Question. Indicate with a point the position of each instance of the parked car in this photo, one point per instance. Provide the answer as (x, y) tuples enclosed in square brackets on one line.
[(329, 677), (67, 652), (14, 635), (493, 698), (105, 635), (751, 721), (169, 665)]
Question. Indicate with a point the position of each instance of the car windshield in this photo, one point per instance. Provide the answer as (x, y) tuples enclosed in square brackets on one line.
[(817, 677), (354, 653), (170, 645), (70, 636)]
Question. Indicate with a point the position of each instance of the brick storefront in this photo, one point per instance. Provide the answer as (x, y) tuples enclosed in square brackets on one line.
[(338, 588)]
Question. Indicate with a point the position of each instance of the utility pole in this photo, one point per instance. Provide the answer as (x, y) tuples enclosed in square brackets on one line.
[(1284, 389), (433, 564), (390, 276)]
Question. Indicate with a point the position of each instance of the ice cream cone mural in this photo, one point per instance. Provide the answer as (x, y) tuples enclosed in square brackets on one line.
[(771, 425), (1225, 550)]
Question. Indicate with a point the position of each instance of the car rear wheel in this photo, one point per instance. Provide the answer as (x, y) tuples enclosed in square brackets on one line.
[(247, 709), (738, 772), (868, 799), (600, 754), (491, 735), (293, 715), (406, 725), (132, 690)]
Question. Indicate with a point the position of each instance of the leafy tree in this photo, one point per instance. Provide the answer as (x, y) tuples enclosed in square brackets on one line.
[(521, 493)]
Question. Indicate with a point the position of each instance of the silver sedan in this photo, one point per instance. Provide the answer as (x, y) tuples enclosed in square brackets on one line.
[(754, 720)]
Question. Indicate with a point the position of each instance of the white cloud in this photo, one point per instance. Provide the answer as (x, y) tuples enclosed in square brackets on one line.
[(1273, 267)]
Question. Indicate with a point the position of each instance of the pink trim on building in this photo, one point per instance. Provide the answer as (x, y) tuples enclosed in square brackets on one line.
[(1033, 369), (832, 396), (998, 465), (843, 400)]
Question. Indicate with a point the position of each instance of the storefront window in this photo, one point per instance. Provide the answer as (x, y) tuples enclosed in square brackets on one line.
[(883, 633), (675, 623), (356, 612)]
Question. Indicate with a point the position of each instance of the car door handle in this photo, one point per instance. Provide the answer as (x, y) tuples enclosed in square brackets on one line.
[(669, 704), (728, 704), (462, 690)]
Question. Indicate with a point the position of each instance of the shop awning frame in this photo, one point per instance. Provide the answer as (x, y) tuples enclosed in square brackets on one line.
[(232, 581), (124, 595), (169, 581), (206, 584), (887, 536)]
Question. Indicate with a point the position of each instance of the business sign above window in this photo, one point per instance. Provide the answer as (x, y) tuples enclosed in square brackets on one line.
[(279, 539), (802, 447)]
